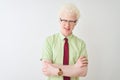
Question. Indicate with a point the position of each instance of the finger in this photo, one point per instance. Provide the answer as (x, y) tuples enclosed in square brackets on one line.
[(82, 57), (44, 70), (45, 62), (85, 62), (84, 65), (45, 66), (46, 73)]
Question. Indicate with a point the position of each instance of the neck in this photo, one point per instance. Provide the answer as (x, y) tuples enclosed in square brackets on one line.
[(66, 35)]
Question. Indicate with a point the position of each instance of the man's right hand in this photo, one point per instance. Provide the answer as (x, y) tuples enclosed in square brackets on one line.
[(82, 62)]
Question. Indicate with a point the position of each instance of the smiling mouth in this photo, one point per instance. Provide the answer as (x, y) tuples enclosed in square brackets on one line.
[(67, 29)]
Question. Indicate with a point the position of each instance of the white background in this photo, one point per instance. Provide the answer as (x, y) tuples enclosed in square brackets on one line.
[(24, 24)]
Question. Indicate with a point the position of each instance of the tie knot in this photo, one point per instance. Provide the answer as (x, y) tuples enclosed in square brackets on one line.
[(66, 40)]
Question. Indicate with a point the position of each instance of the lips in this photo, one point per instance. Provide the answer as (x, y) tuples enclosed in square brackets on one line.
[(67, 29)]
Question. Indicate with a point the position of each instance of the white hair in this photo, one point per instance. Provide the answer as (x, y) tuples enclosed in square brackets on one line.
[(70, 9)]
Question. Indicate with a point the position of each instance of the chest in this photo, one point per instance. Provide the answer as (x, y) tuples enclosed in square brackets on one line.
[(58, 52)]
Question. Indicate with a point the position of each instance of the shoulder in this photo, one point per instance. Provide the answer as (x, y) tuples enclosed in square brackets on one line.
[(79, 42), (51, 38), (78, 39)]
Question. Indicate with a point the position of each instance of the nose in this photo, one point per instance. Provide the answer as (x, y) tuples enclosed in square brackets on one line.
[(67, 23)]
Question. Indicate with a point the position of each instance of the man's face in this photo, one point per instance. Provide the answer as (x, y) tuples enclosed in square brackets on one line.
[(67, 23)]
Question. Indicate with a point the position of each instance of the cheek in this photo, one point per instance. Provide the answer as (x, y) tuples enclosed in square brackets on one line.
[(72, 27), (62, 26)]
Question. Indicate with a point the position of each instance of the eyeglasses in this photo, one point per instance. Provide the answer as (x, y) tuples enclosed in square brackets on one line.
[(68, 21)]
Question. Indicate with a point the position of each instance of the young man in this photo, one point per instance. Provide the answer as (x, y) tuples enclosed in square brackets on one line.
[(64, 55)]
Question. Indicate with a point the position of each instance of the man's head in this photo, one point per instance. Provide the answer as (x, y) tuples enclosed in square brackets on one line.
[(68, 15)]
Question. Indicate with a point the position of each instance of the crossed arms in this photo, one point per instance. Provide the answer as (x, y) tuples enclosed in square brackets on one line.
[(79, 69)]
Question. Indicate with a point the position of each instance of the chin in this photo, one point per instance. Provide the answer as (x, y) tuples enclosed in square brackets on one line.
[(67, 34)]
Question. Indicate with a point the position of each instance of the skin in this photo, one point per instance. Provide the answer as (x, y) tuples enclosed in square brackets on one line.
[(67, 28), (76, 70)]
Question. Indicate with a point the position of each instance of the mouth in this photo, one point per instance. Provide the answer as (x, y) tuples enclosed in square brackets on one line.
[(67, 29)]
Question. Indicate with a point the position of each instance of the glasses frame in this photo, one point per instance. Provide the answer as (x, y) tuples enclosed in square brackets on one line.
[(69, 21)]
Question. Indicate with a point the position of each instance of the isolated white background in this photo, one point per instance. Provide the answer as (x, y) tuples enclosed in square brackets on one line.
[(24, 24)]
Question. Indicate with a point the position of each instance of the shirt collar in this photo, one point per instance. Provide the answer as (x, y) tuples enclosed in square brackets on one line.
[(68, 37)]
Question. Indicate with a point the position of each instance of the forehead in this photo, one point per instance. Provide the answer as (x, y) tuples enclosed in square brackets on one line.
[(68, 16)]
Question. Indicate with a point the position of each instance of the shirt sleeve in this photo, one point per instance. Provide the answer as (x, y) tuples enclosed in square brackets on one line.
[(83, 49), (47, 50)]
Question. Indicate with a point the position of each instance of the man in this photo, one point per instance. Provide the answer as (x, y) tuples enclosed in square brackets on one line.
[(64, 55)]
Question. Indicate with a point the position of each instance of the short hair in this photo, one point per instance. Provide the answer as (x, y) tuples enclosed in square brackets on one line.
[(70, 9)]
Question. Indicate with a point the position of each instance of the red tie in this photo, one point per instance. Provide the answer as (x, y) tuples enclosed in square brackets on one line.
[(66, 56)]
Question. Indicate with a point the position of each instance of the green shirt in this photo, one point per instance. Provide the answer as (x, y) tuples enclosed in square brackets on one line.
[(53, 50)]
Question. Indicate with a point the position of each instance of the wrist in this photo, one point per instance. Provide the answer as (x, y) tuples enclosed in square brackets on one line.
[(60, 72)]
